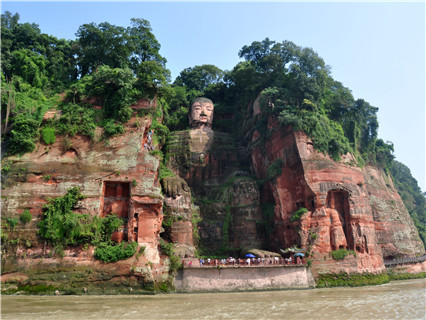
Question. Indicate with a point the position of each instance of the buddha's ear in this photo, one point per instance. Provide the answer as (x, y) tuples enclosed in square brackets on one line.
[(189, 119)]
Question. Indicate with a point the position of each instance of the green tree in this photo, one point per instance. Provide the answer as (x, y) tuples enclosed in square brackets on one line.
[(31, 67), (199, 77), (299, 70), (360, 125), (144, 46), (338, 100), (115, 87), (23, 135), (411, 194), (8, 20), (151, 76), (27, 52), (103, 44)]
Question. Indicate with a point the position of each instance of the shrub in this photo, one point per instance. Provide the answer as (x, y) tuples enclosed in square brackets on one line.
[(168, 249), (327, 135), (12, 223), (165, 172), (23, 134), (26, 216), (351, 280), (48, 135), (109, 224), (59, 222), (274, 169), (62, 226), (141, 251), (36, 289), (111, 128), (112, 253), (76, 119), (339, 254), (405, 276), (298, 214), (161, 132), (125, 114)]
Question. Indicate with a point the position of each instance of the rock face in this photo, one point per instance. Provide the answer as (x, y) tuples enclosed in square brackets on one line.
[(226, 199), (119, 178), (395, 232), (347, 207), (297, 196)]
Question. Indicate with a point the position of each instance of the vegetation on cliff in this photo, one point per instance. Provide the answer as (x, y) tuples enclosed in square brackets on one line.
[(116, 66), (107, 65), (112, 67), (350, 280), (412, 196), (62, 227)]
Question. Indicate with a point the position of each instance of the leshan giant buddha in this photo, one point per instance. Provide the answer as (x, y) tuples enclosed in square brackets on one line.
[(210, 203)]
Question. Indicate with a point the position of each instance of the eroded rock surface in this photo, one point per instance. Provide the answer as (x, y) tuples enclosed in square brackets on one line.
[(119, 178), (347, 207), (293, 196), (227, 199)]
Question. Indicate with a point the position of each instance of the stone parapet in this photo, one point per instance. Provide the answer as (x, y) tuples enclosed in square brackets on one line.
[(205, 279)]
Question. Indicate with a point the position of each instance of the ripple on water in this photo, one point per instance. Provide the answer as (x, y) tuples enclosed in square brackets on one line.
[(397, 300)]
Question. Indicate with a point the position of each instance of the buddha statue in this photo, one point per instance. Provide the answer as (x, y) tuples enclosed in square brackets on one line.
[(209, 183)]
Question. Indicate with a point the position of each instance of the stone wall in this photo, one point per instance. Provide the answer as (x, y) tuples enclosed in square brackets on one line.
[(243, 279)]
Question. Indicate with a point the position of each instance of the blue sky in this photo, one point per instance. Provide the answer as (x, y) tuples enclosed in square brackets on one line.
[(375, 49)]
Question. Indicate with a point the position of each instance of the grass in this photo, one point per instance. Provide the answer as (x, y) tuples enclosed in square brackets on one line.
[(351, 279)]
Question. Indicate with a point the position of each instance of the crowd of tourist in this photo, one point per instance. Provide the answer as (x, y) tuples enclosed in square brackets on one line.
[(243, 262)]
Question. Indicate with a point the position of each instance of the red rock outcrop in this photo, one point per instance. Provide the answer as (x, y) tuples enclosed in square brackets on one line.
[(345, 208), (319, 204), (395, 231), (119, 178)]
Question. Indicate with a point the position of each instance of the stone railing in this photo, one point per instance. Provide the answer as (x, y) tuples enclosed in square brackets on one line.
[(401, 261), (260, 262)]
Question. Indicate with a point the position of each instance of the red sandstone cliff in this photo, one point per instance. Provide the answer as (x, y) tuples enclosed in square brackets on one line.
[(348, 207), (119, 178)]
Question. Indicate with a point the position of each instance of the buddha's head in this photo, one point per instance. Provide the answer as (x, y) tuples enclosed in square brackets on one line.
[(201, 113)]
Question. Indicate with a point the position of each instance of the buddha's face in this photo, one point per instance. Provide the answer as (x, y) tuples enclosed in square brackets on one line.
[(201, 114)]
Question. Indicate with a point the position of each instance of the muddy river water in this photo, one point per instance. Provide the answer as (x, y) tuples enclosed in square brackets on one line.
[(395, 300)]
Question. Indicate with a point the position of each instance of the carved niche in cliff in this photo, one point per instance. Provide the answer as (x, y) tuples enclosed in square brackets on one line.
[(116, 198), (207, 167), (140, 219), (338, 212)]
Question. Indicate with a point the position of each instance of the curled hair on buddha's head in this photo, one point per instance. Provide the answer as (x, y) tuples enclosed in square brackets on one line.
[(201, 100)]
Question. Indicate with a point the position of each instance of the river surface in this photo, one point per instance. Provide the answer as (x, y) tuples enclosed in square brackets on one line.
[(395, 300)]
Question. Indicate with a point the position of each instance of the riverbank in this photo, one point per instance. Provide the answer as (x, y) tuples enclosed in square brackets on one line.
[(213, 279)]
